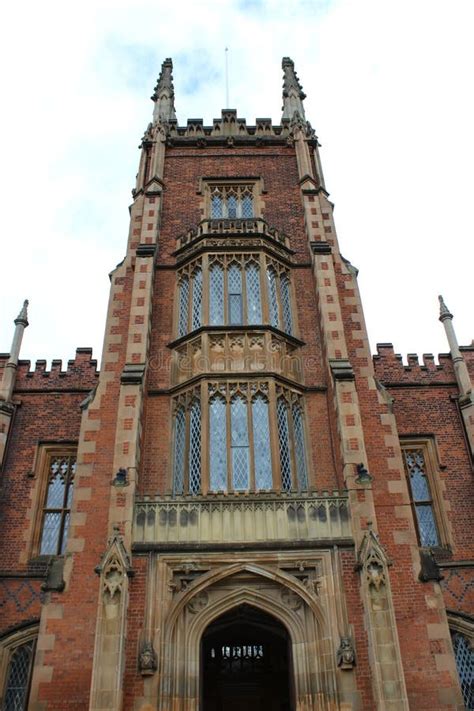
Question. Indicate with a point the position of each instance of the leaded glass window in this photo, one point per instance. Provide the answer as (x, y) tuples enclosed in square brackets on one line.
[(239, 444), (232, 202), (216, 296), (273, 297), (216, 204), (18, 677), (197, 299), (231, 206), (261, 443), (300, 455), (179, 448), (195, 448), (422, 502), (464, 655), (183, 306), (286, 303), (284, 441), (254, 302), (56, 511), (218, 444), (234, 287), (247, 206)]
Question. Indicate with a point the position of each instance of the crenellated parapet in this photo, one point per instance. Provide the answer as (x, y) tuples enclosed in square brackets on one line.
[(390, 368), (81, 373)]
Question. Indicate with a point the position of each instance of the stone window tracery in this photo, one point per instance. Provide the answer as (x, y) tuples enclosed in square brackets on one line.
[(231, 202), (242, 420)]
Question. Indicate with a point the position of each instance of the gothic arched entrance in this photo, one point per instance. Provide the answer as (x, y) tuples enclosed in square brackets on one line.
[(245, 663)]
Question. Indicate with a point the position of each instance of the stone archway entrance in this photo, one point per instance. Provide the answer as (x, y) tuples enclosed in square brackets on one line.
[(245, 663)]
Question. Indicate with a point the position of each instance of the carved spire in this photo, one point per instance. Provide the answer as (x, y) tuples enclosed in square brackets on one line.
[(8, 381), (163, 95), (22, 317), (460, 367), (444, 312), (293, 93)]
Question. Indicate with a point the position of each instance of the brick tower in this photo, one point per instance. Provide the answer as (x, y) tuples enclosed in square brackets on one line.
[(242, 508)]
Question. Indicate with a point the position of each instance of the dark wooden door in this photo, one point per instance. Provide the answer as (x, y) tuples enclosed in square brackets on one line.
[(245, 663)]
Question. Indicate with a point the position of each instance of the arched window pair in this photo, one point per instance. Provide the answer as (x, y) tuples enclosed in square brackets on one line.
[(242, 422), (241, 290)]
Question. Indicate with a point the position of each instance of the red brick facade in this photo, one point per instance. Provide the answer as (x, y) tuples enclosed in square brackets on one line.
[(356, 412)]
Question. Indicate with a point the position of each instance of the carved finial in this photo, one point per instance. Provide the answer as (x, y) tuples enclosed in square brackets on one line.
[(163, 95), (293, 93), (444, 312), (23, 315)]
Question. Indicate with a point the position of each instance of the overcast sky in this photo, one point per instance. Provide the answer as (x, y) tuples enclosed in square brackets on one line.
[(390, 94)]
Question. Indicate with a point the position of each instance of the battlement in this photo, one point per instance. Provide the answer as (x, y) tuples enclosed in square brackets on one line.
[(390, 368), (81, 373)]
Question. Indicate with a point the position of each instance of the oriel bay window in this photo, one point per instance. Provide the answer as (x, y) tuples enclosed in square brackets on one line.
[(256, 439), (234, 289)]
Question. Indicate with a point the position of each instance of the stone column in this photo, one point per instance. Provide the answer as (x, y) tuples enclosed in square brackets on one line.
[(466, 395), (8, 380)]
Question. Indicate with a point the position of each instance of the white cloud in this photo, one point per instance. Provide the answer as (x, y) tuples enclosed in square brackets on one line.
[(388, 87)]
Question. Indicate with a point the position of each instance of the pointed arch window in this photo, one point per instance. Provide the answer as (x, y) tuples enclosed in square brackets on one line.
[(17, 653)]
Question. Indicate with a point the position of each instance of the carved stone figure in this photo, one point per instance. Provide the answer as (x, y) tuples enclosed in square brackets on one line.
[(375, 575), (346, 654), (198, 602), (147, 661)]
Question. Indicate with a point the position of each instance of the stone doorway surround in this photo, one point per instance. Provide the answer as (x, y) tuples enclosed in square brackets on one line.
[(302, 590)]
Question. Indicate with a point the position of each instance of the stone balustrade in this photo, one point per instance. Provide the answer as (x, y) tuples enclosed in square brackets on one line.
[(220, 519)]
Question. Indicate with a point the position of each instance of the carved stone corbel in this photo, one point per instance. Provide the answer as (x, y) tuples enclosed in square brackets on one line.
[(346, 658), (147, 660)]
